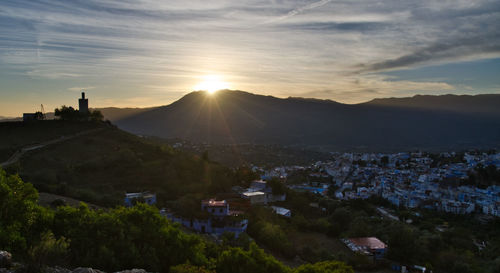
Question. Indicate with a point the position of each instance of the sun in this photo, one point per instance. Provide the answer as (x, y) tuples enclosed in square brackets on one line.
[(211, 84)]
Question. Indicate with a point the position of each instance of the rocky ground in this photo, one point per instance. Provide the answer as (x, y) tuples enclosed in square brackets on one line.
[(8, 266)]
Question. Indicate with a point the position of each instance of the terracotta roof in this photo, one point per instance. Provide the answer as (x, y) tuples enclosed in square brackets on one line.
[(369, 242)]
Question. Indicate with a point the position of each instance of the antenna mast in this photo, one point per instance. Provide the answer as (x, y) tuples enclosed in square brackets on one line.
[(42, 110)]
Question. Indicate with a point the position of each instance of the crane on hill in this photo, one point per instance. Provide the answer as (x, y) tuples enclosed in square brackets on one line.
[(41, 115)]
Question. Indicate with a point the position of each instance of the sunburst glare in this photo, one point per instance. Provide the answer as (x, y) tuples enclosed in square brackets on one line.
[(211, 84)]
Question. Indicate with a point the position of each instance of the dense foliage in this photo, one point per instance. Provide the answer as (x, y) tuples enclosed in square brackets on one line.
[(115, 239), (69, 113), (107, 162), (440, 242)]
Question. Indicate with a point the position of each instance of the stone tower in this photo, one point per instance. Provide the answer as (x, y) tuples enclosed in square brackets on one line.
[(83, 104)]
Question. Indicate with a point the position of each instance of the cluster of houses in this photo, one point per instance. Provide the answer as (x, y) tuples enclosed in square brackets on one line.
[(404, 179), (216, 217)]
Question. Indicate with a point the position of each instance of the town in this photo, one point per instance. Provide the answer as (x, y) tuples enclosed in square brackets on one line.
[(412, 180)]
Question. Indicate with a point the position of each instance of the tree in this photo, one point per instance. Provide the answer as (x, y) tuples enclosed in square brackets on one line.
[(96, 115), (71, 114), (236, 260), (67, 113), (401, 243), (341, 217), (49, 251), (277, 186), (20, 216)]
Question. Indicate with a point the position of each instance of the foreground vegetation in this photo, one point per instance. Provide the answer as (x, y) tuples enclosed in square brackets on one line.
[(440, 242), (118, 239), (101, 166)]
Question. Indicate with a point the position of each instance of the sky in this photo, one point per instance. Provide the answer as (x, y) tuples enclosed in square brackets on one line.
[(138, 53)]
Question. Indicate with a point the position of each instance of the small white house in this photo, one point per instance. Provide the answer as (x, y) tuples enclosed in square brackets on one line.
[(282, 211), (255, 197)]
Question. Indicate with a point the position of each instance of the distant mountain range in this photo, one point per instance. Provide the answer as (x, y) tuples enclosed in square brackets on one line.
[(235, 117), (390, 124), (115, 113), (486, 104)]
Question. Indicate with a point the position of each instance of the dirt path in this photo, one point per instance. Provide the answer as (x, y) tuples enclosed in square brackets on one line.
[(18, 154)]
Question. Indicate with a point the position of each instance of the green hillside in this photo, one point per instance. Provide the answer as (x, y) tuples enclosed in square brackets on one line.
[(15, 135), (101, 166)]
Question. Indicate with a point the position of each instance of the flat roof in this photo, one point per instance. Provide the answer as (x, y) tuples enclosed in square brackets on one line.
[(369, 242), (214, 203), (139, 194), (254, 193), (280, 210)]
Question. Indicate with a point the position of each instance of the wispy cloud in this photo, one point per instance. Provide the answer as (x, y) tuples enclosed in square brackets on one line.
[(78, 89), (299, 10), (275, 47)]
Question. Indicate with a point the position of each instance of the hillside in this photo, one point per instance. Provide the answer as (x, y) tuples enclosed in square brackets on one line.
[(16, 135), (235, 117), (99, 167), (478, 104), (115, 113)]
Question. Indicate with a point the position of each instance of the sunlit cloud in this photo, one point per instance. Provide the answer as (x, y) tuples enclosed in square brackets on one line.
[(160, 49), (76, 89)]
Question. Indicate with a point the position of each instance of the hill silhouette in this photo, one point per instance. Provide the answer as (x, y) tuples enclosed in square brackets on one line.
[(479, 104), (233, 117), (101, 165)]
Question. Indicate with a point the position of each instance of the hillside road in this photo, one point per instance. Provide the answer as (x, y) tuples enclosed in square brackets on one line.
[(19, 153)]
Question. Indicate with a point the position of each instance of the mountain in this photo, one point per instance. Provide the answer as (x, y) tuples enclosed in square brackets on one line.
[(115, 113), (479, 104), (4, 119), (230, 117)]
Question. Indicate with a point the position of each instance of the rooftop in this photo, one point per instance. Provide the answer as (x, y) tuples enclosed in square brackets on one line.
[(139, 195), (214, 203), (369, 242), (255, 193)]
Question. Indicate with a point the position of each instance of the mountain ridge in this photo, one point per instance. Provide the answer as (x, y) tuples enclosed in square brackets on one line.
[(481, 103), (234, 117)]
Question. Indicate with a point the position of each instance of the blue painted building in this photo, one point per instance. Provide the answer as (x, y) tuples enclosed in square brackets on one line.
[(143, 197), (220, 219)]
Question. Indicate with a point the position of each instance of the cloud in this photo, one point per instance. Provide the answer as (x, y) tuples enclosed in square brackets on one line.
[(284, 47), (299, 10), (78, 89), (474, 47)]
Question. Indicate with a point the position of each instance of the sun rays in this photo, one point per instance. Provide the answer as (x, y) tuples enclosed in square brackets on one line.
[(211, 84)]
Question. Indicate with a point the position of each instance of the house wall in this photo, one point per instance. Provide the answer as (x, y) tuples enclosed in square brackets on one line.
[(258, 199), (216, 210)]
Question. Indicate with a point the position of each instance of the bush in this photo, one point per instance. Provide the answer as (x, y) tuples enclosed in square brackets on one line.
[(49, 251), (325, 267), (236, 260)]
